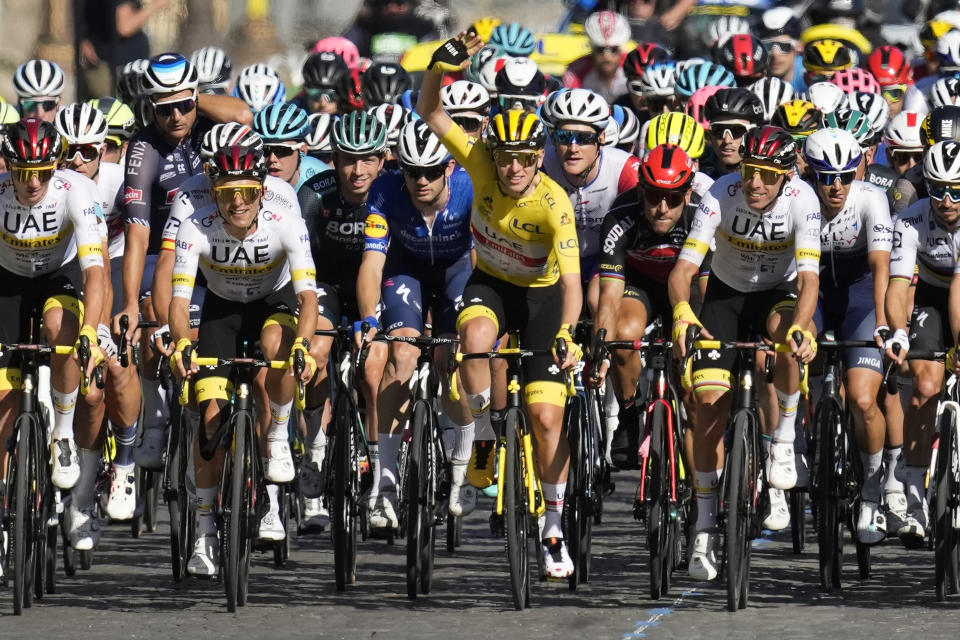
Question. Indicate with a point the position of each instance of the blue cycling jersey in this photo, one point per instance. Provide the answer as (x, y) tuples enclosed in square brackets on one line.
[(309, 167), (392, 215)]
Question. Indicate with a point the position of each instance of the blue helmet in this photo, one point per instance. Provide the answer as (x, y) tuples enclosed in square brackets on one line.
[(278, 122), (513, 39), (704, 74)]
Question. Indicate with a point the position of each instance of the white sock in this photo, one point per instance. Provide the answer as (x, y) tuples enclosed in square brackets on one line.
[(154, 399), (272, 491), (916, 492), (389, 448), (316, 438), (206, 522), (464, 442), (479, 404), (553, 498), (64, 406), (373, 452), (872, 464), (893, 466), (83, 493), (787, 404), (611, 408), (279, 420), (706, 488)]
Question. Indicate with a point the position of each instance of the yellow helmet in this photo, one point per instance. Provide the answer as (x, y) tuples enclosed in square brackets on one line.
[(485, 26), (515, 130), (121, 123), (678, 130), (799, 118), (8, 114), (931, 31), (826, 56)]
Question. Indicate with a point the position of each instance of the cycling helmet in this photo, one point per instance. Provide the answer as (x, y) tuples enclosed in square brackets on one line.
[(394, 117), (646, 54), (723, 27), (237, 161), (770, 145), (628, 126), (359, 133), (948, 51), (351, 91), (259, 85), (227, 135), (852, 120), (464, 95), (874, 106), (826, 57), (408, 100), (744, 55), (485, 26), (121, 123), (734, 104), (580, 106), (38, 77), (279, 122), (383, 83), (832, 150), (128, 80), (856, 79), (420, 147), (799, 118), (472, 72), (513, 39), (213, 69), (889, 65), (8, 115), (943, 123), (780, 21), (772, 92), (606, 29), (81, 123), (658, 80), (324, 70), (678, 130), (932, 30), (611, 134), (168, 73), (904, 132), (342, 47), (826, 96), (702, 74), (666, 167), (941, 163), (515, 130), (487, 76), (520, 77), (696, 104), (945, 91), (32, 141), (318, 140)]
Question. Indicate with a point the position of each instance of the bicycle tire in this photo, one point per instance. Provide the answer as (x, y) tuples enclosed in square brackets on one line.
[(516, 508), (736, 505), (175, 495), (828, 522), (254, 496), (798, 527), (344, 520), (50, 559), (944, 535), (136, 523), (574, 428), (430, 460), (413, 491), (40, 538), (657, 503), (234, 475), (20, 543)]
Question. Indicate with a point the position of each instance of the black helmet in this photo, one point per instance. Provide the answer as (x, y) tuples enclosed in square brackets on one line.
[(943, 123), (324, 70), (734, 104), (383, 83)]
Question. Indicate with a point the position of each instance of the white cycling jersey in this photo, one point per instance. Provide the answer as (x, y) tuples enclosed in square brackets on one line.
[(65, 224), (277, 252), (110, 187), (194, 194), (591, 203), (917, 96), (923, 246), (701, 183), (756, 251), (863, 226)]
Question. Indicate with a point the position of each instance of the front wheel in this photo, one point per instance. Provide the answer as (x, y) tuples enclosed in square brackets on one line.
[(516, 512), (736, 509), (946, 540), (829, 524), (344, 502)]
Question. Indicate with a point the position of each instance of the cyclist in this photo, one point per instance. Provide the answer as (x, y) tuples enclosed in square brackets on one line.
[(779, 29), (763, 280), (38, 84), (731, 113), (602, 70), (417, 251), (855, 238), (334, 206), (680, 130), (121, 125), (468, 104), (260, 281), (527, 276), (904, 146), (259, 86), (213, 68), (891, 68), (283, 128), (324, 78), (383, 83), (943, 123), (923, 244), (40, 203), (917, 95), (318, 140)]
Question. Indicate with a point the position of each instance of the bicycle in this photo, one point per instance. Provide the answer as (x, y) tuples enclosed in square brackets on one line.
[(241, 499), (663, 496)]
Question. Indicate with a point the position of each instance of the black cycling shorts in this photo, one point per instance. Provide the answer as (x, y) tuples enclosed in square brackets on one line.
[(930, 321), (654, 300)]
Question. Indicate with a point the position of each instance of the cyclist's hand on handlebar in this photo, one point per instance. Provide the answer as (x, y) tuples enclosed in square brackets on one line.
[(372, 327), (106, 341), (176, 360), (133, 333), (156, 341), (599, 373), (880, 334), (96, 353), (683, 317), (806, 351), (900, 339), (309, 364), (574, 353)]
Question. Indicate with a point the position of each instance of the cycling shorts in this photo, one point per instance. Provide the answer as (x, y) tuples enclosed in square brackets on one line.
[(336, 305), (930, 322), (849, 312), (589, 268), (729, 314), (654, 300), (411, 290)]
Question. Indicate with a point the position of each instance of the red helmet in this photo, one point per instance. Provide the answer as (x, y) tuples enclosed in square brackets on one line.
[(237, 161), (32, 142), (745, 56), (769, 145), (667, 167), (889, 66), (351, 89), (856, 79), (642, 57)]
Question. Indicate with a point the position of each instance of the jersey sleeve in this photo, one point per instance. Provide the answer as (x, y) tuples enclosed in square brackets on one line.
[(471, 154), (806, 231), (877, 221), (86, 215), (140, 171), (702, 229), (902, 195), (181, 209), (296, 242), (613, 243), (629, 175), (903, 256), (376, 229), (189, 244), (565, 234)]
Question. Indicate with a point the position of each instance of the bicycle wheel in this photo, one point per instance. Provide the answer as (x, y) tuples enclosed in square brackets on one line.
[(175, 495), (413, 491), (829, 525), (20, 513), (235, 516), (41, 536), (945, 538), (573, 504), (736, 499), (344, 499), (517, 510), (657, 490), (454, 532), (50, 559), (798, 529), (428, 534)]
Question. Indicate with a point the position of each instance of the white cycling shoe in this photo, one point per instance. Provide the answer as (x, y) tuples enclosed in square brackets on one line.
[(271, 527), (122, 502), (703, 558), (557, 562), (782, 469), (463, 496), (84, 531), (205, 560), (315, 513), (871, 525), (279, 462), (384, 515), (65, 463), (779, 518)]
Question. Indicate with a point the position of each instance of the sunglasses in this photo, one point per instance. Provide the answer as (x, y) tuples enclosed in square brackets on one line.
[(226, 194), (430, 173), (904, 156), (87, 152), (25, 174), (828, 178), (606, 51), (468, 123), (778, 46), (660, 103), (322, 95), (813, 78), (508, 102), (30, 106), (673, 197), (940, 191), (768, 175), (719, 131), (568, 137), (279, 150), (166, 109), (506, 158), (894, 92)]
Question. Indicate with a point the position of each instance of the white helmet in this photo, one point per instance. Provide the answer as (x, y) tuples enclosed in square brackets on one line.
[(228, 134), (487, 76), (607, 29), (941, 163), (659, 79), (948, 51), (826, 96), (772, 92), (611, 133), (874, 106), (472, 72), (213, 68), (580, 106), (81, 123), (904, 131), (319, 137), (38, 78), (464, 95), (682, 65), (420, 147), (723, 27), (945, 91), (832, 150), (393, 117), (168, 73), (629, 128), (259, 85)]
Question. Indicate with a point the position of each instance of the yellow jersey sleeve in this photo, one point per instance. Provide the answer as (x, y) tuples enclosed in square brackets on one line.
[(471, 154), (564, 232)]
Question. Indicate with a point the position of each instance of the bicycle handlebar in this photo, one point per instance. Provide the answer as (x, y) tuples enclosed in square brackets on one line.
[(507, 353)]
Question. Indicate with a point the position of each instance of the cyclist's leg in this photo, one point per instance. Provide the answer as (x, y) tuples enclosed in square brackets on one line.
[(14, 307), (635, 312), (894, 462), (149, 452)]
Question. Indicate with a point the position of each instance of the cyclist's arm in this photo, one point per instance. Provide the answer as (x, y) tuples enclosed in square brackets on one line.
[(678, 284), (224, 109), (954, 306), (303, 273), (879, 262), (428, 104), (186, 262), (141, 169), (90, 252), (808, 289), (879, 228), (806, 255), (107, 288), (161, 289), (903, 261), (568, 258), (612, 280), (695, 249)]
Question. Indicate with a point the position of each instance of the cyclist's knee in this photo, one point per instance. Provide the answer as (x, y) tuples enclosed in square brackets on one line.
[(403, 360), (547, 416), (926, 387), (478, 334)]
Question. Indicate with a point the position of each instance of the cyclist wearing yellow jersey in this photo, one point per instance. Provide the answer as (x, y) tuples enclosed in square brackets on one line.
[(527, 261)]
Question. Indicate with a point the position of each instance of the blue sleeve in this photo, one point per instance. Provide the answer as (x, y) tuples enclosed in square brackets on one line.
[(376, 229)]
